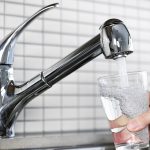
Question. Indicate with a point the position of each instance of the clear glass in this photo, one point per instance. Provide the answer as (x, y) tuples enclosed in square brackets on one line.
[(122, 103)]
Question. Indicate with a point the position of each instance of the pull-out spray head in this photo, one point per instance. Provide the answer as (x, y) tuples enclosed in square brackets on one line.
[(115, 39)]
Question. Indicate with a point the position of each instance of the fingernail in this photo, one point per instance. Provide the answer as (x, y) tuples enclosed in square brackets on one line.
[(133, 125)]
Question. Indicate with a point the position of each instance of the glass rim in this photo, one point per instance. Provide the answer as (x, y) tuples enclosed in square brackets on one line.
[(118, 75)]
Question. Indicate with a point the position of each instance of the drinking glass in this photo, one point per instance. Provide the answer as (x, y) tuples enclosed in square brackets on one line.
[(123, 98)]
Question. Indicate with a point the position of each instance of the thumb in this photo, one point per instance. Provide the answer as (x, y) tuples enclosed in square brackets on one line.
[(140, 122)]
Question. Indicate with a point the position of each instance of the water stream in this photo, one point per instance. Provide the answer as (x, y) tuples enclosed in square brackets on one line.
[(122, 71)]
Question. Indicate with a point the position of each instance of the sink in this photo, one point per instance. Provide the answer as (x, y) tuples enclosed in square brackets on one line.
[(104, 147), (85, 148), (65, 141)]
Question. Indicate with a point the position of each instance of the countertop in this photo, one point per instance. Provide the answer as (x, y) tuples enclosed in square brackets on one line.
[(57, 141)]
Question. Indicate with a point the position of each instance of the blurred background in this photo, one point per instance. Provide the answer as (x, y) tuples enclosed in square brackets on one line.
[(72, 105)]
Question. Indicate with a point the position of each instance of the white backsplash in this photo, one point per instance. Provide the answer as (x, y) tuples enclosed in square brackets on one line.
[(73, 103)]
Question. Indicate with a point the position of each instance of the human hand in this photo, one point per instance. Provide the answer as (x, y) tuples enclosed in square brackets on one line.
[(140, 122)]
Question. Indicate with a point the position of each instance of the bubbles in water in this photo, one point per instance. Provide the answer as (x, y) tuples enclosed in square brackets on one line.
[(132, 100)]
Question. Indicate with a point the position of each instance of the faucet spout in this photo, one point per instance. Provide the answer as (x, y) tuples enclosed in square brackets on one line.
[(8, 43), (114, 41)]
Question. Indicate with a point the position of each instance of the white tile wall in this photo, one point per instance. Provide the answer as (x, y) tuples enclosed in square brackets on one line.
[(72, 104)]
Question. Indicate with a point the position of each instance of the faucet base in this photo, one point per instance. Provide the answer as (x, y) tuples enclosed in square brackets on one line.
[(7, 133)]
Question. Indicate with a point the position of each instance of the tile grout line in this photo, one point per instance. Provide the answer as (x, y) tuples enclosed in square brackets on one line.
[(24, 110), (43, 50)]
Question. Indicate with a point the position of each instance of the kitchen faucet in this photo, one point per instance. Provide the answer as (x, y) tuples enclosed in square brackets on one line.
[(114, 41)]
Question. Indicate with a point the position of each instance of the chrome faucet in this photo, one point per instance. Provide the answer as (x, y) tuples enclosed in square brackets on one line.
[(114, 41)]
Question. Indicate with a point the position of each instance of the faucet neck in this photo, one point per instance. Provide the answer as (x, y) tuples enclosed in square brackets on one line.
[(23, 94)]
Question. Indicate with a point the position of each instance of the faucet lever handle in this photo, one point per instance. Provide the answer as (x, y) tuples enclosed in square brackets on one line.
[(8, 43)]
